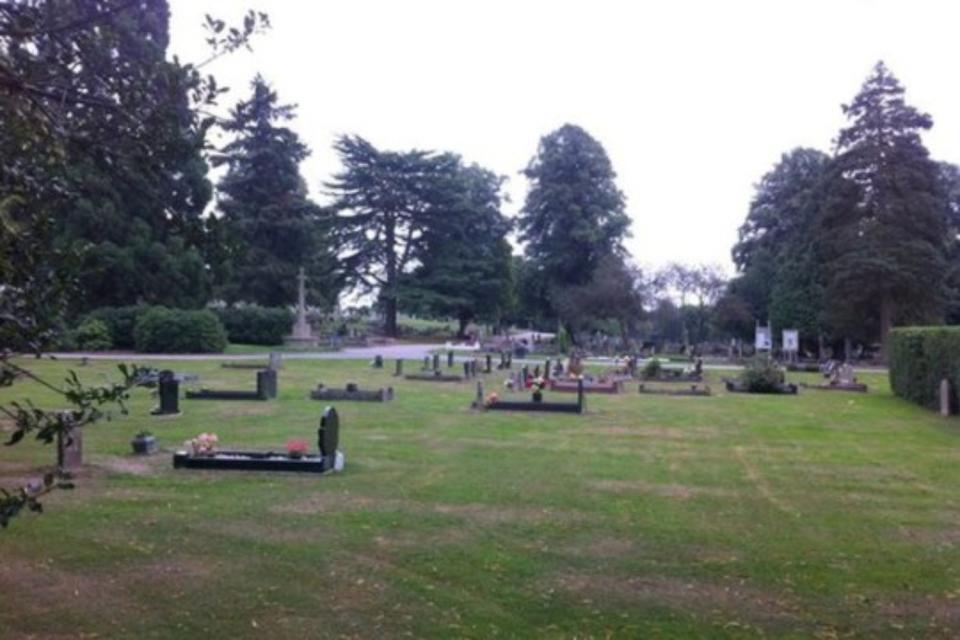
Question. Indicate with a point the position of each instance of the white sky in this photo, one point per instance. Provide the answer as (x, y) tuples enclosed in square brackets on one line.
[(693, 100)]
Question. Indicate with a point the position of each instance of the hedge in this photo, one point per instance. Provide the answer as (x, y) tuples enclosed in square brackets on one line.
[(162, 330), (920, 357), (120, 321), (256, 325)]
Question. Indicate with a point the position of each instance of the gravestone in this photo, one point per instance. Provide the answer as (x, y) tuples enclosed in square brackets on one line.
[(276, 361), (168, 391), (536, 371), (352, 387), (546, 370), (478, 402), (945, 397), (466, 369), (489, 364), (70, 451), (328, 436), (450, 359), (558, 369), (436, 362), (525, 372), (267, 383), (473, 367), (399, 371), (426, 363), (302, 332), (378, 361)]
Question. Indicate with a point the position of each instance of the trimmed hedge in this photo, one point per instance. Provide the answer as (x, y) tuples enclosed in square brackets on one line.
[(162, 330), (256, 325), (120, 321), (920, 357)]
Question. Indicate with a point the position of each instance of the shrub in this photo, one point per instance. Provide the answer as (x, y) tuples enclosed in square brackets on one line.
[(762, 375), (920, 357), (162, 330), (652, 369), (256, 325), (120, 321), (92, 335)]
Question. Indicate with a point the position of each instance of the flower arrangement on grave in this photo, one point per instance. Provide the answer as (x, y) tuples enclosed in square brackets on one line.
[(491, 398), (296, 449), (204, 444), (537, 386)]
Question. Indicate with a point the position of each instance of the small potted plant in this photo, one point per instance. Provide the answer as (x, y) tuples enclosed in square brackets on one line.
[(537, 386), (203, 445), (296, 449), (144, 443)]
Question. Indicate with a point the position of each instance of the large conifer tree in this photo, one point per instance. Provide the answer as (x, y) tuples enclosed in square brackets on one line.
[(883, 226), (574, 214), (269, 228)]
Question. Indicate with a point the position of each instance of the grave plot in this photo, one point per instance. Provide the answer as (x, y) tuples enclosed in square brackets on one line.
[(694, 390), (204, 455), (437, 375), (266, 389), (589, 386), (735, 386), (492, 402), (841, 378), (352, 391)]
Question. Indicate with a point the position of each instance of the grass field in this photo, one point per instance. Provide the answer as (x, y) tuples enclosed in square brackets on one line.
[(826, 514)]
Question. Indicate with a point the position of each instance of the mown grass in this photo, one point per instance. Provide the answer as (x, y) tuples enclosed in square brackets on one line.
[(731, 516)]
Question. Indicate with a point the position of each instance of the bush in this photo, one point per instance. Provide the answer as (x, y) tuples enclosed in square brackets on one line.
[(120, 321), (652, 369), (762, 375), (920, 357), (91, 335), (162, 330), (256, 325)]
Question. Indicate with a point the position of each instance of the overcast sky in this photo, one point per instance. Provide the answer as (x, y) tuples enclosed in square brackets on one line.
[(693, 101)]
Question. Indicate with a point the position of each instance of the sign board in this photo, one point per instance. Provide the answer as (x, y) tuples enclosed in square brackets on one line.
[(791, 340), (764, 339)]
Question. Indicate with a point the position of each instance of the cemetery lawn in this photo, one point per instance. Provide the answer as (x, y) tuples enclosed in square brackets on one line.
[(826, 514)]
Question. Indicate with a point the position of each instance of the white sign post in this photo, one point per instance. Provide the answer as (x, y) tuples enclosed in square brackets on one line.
[(791, 344), (764, 338)]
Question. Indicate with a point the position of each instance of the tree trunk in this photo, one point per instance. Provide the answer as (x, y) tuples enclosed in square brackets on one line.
[(886, 323), (463, 322), (389, 293)]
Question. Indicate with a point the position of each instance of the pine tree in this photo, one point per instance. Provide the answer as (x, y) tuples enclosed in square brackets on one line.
[(269, 228), (883, 226), (574, 214), (466, 266)]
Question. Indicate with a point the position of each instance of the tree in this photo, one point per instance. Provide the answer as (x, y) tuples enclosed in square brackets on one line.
[(574, 213), (84, 98), (385, 201), (883, 225), (111, 147), (269, 228), (615, 292), (466, 269)]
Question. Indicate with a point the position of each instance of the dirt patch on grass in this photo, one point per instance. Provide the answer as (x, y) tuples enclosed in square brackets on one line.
[(678, 491), (695, 597), (940, 538), (132, 465), (939, 614)]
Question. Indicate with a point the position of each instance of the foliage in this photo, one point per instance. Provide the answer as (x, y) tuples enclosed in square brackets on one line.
[(251, 324), (574, 214), (269, 228), (120, 321), (613, 293), (385, 203), (92, 335), (162, 330), (87, 407), (762, 375), (466, 269), (652, 369), (920, 357), (893, 237)]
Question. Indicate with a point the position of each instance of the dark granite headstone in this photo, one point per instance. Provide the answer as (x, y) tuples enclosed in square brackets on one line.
[(466, 369), (449, 358), (378, 361), (473, 367), (546, 370), (536, 371), (399, 371), (489, 364), (352, 387), (426, 363), (267, 383), (328, 436), (168, 390), (436, 362)]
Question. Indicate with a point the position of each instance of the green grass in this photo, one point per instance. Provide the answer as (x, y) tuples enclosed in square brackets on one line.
[(824, 514)]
